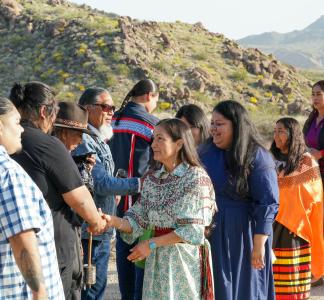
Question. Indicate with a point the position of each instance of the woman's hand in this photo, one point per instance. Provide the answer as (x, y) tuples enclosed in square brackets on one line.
[(257, 257), (316, 153), (258, 251), (140, 251), (108, 219)]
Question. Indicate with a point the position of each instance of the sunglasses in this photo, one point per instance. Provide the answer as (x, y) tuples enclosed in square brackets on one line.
[(106, 107)]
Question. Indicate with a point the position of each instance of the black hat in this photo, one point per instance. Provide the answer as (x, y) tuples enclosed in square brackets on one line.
[(72, 116)]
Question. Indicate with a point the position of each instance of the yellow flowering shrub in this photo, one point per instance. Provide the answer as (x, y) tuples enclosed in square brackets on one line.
[(253, 100), (164, 105)]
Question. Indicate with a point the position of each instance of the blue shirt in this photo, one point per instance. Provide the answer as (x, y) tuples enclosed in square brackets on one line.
[(106, 186), (22, 207)]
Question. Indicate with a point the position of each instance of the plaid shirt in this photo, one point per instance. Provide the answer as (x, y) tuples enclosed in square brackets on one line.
[(22, 207)]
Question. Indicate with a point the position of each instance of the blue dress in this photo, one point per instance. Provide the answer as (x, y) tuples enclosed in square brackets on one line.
[(237, 221)]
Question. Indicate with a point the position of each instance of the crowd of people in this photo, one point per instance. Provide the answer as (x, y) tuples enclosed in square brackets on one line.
[(199, 209)]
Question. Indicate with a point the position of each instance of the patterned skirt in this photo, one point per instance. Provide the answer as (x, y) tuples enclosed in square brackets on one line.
[(292, 267)]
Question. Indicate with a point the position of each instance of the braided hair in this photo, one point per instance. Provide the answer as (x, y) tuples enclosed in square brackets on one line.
[(30, 97), (141, 88)]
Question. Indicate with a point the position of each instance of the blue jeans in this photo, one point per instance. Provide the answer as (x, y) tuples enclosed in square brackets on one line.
[(130, 277), (100, 257)]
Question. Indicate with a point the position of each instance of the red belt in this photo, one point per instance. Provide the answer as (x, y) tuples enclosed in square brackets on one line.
[(162, 231)]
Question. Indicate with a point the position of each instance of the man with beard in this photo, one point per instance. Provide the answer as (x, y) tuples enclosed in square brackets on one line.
[(101, 108)]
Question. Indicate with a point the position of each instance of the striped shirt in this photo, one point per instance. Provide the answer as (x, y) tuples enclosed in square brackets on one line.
[(22, 207)]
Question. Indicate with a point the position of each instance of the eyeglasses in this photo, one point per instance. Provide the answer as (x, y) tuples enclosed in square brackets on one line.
[(106, 107)]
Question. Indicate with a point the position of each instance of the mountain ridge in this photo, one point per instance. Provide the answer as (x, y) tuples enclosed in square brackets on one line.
[(73, 46), (301, 48)]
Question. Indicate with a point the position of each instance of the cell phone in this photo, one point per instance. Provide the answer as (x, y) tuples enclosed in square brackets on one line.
[(121, 173)]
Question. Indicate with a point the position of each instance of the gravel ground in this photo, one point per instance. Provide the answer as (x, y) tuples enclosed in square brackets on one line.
[(112, 291)]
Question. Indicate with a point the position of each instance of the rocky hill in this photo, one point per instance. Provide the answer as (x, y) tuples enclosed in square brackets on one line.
[(300, 48), (72, 47)]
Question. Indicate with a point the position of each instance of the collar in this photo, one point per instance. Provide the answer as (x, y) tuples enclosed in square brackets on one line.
[(95, 131), (3, 150), (179, 171), (137, 106)]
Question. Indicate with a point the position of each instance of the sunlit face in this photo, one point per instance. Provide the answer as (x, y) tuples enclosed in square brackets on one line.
[(280, 135), (318, 98), (165, 150), (10, 131), (71, 138), (151, 103), (221, 130), (98, 115), (194, 130)]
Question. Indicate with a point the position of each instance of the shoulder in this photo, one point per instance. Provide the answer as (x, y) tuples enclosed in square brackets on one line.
[(207, 148), (263, 159), (308, 161)]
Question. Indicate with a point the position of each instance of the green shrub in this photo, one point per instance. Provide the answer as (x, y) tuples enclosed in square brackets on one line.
[(240, 75)]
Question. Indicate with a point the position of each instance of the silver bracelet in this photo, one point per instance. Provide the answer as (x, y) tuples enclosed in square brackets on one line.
[(121, 224)]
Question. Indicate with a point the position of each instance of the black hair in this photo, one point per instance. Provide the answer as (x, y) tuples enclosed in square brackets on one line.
[(29, 98), (177, 130), (295, 142), (141, 88), (6, 106), (196, 117), (89, 96), (246, 141), (314, 112)]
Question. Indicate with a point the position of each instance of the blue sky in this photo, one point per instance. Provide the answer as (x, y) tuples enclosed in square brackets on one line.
[(234, 18)]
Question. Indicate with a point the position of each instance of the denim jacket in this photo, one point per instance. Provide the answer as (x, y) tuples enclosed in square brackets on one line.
[(106, 186)]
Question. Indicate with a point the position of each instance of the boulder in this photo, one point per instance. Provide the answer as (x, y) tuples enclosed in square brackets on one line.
[(56, 2), (9, 11), (273, 67), (295, 108), (165, 39), (55, 28), (253, 67), (234, 53), (280, 75)]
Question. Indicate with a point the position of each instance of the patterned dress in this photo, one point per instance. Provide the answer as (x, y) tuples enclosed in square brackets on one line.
[(183, 200)]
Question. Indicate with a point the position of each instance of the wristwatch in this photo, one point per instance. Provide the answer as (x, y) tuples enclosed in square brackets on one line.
[(152, 244)]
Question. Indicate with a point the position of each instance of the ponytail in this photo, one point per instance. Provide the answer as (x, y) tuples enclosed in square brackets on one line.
[(141, 88)]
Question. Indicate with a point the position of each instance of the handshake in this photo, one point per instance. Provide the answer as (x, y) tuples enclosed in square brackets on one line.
[(108, 221), (104, 222)]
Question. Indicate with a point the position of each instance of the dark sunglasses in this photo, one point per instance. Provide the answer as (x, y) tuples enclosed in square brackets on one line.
[(106, 107)]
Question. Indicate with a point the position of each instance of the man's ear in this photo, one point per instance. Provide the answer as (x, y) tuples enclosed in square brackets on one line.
[(42, 112)]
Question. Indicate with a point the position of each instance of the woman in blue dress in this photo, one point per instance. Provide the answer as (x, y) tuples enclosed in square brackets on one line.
[(245, 181)]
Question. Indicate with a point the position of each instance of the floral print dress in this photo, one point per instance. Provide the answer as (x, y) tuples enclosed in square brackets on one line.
[(183, 200)]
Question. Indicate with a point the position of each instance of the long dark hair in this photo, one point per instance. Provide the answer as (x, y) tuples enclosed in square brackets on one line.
[(245, 142), (141, 88), (295, 142), (196, 117), (314, 112), (90, 95), (177, 130), (29, 98)]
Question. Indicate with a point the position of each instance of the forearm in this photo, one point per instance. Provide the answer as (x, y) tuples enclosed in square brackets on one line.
[(121, 224), (26, 253), (259, 240), (81, 201), (167, 239)]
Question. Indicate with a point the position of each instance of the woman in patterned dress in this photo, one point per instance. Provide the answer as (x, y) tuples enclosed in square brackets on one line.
[(177, 198), (298, 241)]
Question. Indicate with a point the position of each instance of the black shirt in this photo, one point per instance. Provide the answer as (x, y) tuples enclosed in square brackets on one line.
[(50, 165)]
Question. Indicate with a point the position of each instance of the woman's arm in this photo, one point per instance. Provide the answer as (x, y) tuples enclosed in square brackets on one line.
[(143, 250)]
